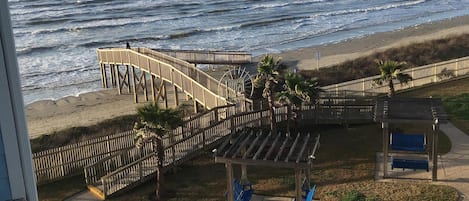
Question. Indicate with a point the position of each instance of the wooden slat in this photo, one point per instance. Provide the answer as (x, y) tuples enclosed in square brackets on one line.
[(242, 145), (262, 146), (292, 148), (298, 158), (281, 149), (272, 146), (252, 145)]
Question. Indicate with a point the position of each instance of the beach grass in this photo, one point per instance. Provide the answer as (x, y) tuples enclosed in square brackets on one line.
[(76, 134), (415, 54)]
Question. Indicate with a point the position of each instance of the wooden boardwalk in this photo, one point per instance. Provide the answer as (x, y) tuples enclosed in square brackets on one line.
[(130, 167)]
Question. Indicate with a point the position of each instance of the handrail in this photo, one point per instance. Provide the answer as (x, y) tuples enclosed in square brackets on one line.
[(198, 91), (211, 83), (186, 67), (209, 57)]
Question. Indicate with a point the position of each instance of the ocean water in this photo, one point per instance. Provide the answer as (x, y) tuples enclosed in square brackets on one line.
[(57, 39)]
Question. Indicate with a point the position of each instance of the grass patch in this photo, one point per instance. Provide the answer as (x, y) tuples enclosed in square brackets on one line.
[(345, 162), (455, 96), (59, 190)]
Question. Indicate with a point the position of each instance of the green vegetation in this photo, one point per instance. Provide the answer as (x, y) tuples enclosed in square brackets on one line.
[(458, 106), (455, 99), (77, 134), (416, 54), (154, 123), (268, 76), (391, 71)]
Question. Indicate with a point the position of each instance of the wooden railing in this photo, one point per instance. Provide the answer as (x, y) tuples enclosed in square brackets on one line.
[(210, 57), (330, 110), (69, 160), (422, 75), (57, 163), (192, 81)]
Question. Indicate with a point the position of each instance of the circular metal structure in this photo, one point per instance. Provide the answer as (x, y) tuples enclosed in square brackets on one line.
[(238, 80)]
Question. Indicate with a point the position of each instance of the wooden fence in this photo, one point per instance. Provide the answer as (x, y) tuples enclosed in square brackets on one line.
[(69, 160), (422, 75), (330, 110), (57, 163)]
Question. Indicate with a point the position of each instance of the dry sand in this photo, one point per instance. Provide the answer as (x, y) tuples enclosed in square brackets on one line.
[(47, 116)]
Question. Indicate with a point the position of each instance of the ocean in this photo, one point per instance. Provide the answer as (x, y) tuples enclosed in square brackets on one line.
[(56, 40)]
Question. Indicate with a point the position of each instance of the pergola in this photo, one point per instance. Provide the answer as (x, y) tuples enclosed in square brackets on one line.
[(410, 110), (270, 150)]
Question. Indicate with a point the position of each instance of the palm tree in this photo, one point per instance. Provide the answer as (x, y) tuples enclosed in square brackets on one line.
[(268, 77), (391, 70), (296, 91), (153, 125)]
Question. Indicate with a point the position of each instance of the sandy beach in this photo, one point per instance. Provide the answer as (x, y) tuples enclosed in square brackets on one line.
[(47, 116)]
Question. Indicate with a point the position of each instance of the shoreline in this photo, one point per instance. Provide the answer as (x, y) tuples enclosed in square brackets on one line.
[(47, 116)]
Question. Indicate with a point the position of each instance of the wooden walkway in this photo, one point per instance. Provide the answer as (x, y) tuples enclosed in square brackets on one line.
[(146, 71), (108, 176), (130, 167)]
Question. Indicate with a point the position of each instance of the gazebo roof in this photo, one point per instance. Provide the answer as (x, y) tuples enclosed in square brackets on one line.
[(266, 149), (407, 110)]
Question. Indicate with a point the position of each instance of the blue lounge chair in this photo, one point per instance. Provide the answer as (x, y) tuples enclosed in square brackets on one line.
[(242, 192), (408, 142)]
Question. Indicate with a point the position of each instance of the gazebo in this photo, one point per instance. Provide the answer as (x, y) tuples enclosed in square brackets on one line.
[(415, 111), (259, 148)]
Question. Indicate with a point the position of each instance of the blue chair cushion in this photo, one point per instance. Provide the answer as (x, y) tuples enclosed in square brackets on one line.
[(408, 142), (410, 164)]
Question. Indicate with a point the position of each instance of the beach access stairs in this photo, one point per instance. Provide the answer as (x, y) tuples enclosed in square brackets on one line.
[(125, 170), (344, 103)]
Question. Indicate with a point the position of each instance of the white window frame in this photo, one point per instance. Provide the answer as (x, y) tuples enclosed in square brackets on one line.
[(12, 119)]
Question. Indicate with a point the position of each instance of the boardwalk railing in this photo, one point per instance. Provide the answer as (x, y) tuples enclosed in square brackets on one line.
[(57, 163), (422, 75), (181, 74), (338, 110), (209, 57)]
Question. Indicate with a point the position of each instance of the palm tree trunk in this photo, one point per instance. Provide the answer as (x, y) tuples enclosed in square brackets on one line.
[(160, 161), (391, 89), (273, 121), (289, 118)]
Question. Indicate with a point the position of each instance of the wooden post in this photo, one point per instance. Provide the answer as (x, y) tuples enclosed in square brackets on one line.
[(101, 67), (135, 84), (118, 77), (176, 96), (113, 78), (153, 91), (105, 76), (127, 70), (165, 95), (244, 173), (385, 148), (144, 77), (298, 184), (196, 110), (62, 169), (436, 129), (229, 181)]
